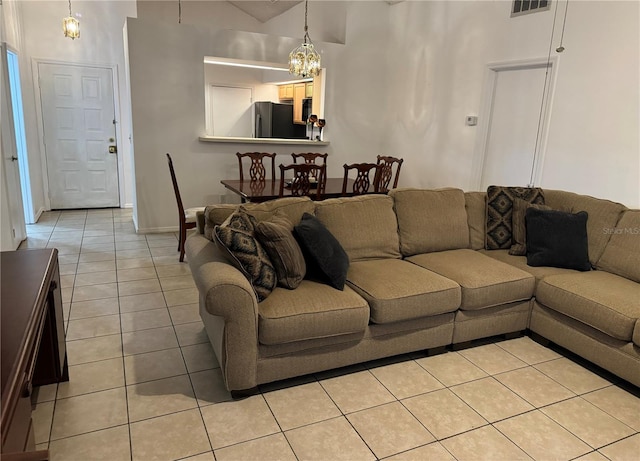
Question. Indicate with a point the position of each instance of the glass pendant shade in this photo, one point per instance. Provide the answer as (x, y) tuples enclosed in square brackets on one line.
[(304, 61), (71, 27)]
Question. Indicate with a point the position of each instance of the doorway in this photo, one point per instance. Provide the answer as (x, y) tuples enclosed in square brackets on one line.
[(15, 87), (79, 134), (515, 117), (12, 211)]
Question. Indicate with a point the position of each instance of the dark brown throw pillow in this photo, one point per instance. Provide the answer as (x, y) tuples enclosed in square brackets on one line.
[(499, 211), (236, 239), (519, 229), (277, 238)]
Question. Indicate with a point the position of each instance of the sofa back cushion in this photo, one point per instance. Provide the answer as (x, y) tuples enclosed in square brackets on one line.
[(622, 254), (603, 216), (475, 204), (365, 225), (291, 207), (430, 220)]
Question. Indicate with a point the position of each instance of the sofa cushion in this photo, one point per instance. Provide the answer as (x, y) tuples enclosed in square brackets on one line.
[(236, 239), (557, 239), (313, 310), (430, 220), (291, 207), (397, 290), (636, 334), (484, 281), (518, 225), (622, 254), (603, 215), (372, 215), (604, 301), (520, 262), (285, 254), (476, 206), (500, 209), (324, 256)]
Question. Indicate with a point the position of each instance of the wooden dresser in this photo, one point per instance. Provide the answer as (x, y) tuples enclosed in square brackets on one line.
[(33, 340)]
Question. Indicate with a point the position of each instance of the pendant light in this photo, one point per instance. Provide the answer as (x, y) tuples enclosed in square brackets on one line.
[(304, 61), (71, 26)]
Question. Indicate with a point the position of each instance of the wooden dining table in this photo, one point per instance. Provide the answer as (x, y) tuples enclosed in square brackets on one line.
[(269, 189)]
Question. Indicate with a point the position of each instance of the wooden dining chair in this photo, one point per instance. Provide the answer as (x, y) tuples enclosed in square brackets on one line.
[(257, 170), (386, 172), (306, 177), (363, 183), (310, 157), (186, 218)]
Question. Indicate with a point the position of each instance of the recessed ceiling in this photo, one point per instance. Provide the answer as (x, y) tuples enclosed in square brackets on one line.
[(265, 9)]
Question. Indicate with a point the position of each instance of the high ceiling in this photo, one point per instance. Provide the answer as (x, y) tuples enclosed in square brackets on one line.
[(264, 10)]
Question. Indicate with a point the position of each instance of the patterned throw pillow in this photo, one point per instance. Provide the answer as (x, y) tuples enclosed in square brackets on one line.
[(499, 212), (236, 238)]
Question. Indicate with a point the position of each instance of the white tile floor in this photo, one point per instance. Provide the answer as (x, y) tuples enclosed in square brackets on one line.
[(145, 385)]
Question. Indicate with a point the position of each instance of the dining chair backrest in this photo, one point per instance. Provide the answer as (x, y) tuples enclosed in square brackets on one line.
[(186, 218), (310, 157), (386, 172), (175, 187), (307, 179), (363, 183), (257, 170)]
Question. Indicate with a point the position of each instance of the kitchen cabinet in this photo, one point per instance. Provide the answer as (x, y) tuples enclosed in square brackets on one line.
[(285, 92), (299, 92), (308, 90)]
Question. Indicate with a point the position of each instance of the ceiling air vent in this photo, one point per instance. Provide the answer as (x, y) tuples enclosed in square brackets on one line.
[(521, 7)]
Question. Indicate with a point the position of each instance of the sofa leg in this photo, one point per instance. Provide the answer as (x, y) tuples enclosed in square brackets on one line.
[(244, 393), (461, 346), (436, 351), (540, 339), (513, 335)]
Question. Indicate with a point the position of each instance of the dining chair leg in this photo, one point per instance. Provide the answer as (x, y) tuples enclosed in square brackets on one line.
[(179, 234), (183, 237)]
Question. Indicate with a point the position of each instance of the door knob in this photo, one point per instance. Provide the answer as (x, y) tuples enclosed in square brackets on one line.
[(113, 149)]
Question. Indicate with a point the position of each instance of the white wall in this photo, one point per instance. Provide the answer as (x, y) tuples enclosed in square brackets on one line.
[(440, 50), (100, 42), (167, 81), (401, 85)]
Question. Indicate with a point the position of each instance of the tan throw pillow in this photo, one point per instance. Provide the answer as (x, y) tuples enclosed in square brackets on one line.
[(518, 227), (277, 238)]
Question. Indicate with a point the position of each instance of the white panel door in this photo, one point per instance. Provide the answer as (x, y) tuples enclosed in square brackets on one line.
[(231, 111), (513, 123), (79, 126)]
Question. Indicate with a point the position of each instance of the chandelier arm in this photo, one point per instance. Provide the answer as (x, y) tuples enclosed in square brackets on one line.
[(70, 8)]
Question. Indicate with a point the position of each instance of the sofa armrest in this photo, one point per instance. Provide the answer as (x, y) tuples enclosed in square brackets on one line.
[(226, 293)]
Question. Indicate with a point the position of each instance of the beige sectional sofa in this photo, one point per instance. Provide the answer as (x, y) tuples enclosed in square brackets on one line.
[(420, 278)]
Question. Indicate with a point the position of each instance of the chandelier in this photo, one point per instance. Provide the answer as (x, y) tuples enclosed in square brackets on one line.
[(71, 26), (304, 61)]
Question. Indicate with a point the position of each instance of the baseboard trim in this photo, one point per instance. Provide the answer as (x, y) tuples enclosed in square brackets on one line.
[(127, 205), (158, 230), (39, 213)]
